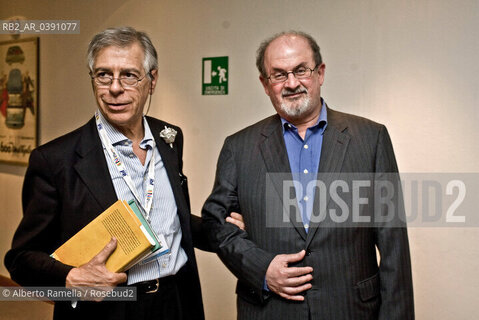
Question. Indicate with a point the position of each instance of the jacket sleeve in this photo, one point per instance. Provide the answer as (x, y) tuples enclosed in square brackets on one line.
[(37, 236), (396, 288), (242, 256), (200, 238)]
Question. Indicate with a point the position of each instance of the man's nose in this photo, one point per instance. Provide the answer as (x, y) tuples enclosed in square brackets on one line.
[(292, 82), (116, 87)]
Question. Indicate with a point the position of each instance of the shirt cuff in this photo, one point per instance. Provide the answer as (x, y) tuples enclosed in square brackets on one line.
[(265, 285)]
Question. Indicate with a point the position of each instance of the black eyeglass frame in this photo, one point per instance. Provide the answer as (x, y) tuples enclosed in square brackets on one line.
[(294, 72)]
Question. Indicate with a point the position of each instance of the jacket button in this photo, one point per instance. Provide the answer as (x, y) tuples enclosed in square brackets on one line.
[(308, 252)]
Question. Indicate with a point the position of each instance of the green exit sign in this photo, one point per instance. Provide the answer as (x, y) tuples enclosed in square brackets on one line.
[(215, 76)]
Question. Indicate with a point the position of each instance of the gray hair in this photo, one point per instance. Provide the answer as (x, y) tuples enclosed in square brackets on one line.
[(264, 45), (123, 37)]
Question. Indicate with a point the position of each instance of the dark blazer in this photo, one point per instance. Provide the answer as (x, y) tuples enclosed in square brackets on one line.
[(67, 184), (347, 281)]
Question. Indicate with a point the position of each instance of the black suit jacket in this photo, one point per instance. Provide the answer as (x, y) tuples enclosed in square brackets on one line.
[(347, 281), (67, 184)]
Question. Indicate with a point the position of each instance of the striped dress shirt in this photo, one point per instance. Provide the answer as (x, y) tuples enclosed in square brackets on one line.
[(163, 215)]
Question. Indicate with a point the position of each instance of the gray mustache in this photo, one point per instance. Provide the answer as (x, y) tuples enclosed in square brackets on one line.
[(289, 91)]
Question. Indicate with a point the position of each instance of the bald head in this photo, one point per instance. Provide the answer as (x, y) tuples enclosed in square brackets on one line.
[(260, 53)]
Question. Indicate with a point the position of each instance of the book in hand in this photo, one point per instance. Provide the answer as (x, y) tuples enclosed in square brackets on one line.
[(135, 239)]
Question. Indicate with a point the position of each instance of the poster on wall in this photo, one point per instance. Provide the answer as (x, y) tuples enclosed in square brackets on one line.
[(18, 99)]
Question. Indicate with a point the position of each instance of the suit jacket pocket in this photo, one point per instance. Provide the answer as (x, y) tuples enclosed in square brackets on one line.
[(368, 288)]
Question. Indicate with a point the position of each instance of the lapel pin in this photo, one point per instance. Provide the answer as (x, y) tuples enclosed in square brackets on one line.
[(169, 135)]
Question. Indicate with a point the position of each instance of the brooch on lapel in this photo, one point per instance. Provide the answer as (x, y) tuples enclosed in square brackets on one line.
[(169, 135)]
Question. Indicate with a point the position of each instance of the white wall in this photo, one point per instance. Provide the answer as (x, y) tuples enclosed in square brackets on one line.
[(408, 64)]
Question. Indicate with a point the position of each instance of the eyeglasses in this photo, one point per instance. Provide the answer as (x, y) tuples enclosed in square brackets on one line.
[(103, 79), (299, 73)]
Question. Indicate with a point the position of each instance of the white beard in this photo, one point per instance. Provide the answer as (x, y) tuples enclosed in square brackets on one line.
[(298, 110)]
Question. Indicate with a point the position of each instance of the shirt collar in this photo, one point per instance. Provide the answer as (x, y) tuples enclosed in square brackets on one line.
[(116, 137), (321, 123), (148, 139)]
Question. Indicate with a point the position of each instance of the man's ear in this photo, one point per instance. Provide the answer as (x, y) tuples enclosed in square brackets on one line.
[(321, 71), (265, 83), (154, 78)]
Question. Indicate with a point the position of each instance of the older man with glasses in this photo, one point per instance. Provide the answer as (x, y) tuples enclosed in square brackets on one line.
[(119, 154), (297, 260)]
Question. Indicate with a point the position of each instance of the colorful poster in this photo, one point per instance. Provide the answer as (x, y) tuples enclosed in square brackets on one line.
[(18, 99)]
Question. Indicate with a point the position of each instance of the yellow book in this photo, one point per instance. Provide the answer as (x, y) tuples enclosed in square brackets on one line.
[(119, 221)]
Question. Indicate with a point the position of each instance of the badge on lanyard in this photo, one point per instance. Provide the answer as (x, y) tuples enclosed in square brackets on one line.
[(146, 204)]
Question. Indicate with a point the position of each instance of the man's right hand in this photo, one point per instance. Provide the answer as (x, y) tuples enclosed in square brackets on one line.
[(236, 219), (288, 282), (94, 274)]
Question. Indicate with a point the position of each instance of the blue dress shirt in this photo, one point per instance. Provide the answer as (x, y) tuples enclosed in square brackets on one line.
[(304, 156)]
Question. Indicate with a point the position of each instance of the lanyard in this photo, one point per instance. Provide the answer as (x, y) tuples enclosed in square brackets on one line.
[(146, 205)]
